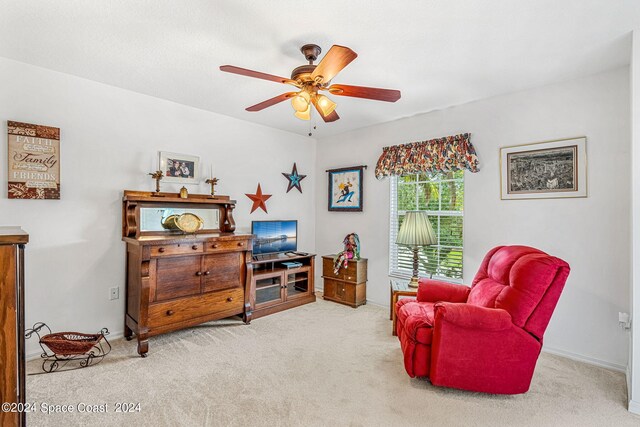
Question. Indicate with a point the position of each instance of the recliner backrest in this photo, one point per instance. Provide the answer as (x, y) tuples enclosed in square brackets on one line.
[(524, 281)]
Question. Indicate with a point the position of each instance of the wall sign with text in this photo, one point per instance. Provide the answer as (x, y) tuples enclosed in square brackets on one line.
[(34, 161)]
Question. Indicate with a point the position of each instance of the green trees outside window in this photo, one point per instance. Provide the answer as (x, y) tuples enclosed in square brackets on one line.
[(442, 196)]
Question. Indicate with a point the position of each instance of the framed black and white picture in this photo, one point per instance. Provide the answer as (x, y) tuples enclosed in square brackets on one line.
[(180, 168), (345, 189), (544, 170)]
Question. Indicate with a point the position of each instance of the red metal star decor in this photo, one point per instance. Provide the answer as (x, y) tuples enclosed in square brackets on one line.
[(258, 199), (294, 179)]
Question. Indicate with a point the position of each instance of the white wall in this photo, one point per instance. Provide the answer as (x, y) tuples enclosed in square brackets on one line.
[(109, 137), (591, 234), (634, 362)]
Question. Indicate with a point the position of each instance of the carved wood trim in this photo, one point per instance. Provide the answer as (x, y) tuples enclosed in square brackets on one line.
[(130, 223), (230, 223)]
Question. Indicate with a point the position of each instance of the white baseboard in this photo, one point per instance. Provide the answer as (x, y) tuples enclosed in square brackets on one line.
[(586, 359), (634, 407), (628, 378), (376, 304), (35, 354)]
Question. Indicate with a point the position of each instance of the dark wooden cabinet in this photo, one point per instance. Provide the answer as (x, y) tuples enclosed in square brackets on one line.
[(349, 286), (177, 280), (274, 287), (12, 369)]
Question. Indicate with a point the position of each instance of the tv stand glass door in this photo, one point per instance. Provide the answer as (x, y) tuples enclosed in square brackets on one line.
[(269, 289)]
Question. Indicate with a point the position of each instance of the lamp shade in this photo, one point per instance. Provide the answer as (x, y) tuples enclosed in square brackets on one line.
[(304, 115), (326, 105), (300, 102), (416, 230)]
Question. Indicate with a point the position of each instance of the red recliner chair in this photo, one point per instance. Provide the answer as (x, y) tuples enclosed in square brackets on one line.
[(488, 337)]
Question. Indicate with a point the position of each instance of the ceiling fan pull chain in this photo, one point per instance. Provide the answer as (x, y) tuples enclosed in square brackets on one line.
[(312, 128)]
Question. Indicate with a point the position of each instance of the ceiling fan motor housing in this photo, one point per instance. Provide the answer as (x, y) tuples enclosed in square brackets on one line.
[(302, 74)]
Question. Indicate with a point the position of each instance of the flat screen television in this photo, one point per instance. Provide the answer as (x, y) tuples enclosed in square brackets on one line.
[(274, 236)]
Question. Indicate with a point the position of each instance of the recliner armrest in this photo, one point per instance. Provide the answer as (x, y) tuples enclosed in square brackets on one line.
[(436, 290), (472, 316)]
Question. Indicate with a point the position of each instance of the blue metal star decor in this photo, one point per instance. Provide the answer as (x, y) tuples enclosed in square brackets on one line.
[(294, 179)]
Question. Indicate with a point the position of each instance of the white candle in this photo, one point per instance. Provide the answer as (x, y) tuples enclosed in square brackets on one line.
[(154, 162)]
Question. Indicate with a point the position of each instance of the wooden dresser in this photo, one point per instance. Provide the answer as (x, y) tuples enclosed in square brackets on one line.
[(176, 280), (349, 286), (12, 374)]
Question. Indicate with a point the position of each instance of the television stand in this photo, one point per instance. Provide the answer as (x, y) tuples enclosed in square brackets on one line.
[(274, 287)]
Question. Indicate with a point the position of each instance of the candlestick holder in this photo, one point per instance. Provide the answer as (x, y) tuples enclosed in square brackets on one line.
[(157, 175), (212, 182)]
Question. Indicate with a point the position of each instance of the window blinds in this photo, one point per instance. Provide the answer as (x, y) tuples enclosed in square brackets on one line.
[(442, 196)]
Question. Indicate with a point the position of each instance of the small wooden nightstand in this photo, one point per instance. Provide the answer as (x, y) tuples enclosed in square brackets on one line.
[(349, 286), (399, 288)]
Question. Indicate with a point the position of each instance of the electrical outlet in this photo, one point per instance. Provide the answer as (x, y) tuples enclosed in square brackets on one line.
[(114, 293), (624, 320)]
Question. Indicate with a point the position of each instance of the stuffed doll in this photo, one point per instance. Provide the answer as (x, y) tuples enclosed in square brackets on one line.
[(351, 251)]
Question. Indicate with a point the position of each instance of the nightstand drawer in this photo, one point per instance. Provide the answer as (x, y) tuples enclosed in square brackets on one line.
[(355, 272), (176, 249)]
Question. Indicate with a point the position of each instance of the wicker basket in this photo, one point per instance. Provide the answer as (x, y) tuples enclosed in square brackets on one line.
[(68, 343)]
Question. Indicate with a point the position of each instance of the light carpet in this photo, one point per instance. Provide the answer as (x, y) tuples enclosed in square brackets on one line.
[(319, 364)]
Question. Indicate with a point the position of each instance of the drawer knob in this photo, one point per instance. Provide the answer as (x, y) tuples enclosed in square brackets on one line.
[(215, 246), (194, 247), (169, 312), (349, 278), (198, 273), (161, 249), (230, 299), (240, 243), (206, 273)]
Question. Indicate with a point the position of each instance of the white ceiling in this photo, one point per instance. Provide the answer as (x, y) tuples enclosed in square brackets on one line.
[(437, 52)]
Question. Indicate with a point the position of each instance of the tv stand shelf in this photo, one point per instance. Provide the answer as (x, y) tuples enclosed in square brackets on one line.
[(274, 287)]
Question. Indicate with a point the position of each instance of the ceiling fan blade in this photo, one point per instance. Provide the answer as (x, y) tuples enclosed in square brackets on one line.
[(388, 95), (329, 118), (256, 74), (333, 62), (269, 102)]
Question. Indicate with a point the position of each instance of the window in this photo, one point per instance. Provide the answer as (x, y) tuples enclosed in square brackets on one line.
[(442, 196)]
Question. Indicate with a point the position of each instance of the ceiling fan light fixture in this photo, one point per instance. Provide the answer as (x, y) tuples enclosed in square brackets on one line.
[(300, 102), (325, 105), (304, 115)]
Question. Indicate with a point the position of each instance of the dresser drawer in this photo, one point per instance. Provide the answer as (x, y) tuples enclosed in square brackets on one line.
[(352, 273), (170, 312), (226, 246), (327, 267), (176, 249)]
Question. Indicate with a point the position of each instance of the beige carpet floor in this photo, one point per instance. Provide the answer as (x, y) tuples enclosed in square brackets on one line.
[(319, 364)]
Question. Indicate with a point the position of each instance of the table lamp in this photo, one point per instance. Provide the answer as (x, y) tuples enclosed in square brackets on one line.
[(414, 233)]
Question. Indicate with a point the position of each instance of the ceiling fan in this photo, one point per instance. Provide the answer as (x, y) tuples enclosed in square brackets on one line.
[(311, 79)]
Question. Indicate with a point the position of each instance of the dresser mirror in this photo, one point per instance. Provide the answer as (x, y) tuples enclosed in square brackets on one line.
[(152, 218)]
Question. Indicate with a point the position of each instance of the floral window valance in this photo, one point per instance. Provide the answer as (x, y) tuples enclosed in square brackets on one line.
[(446, 154)]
